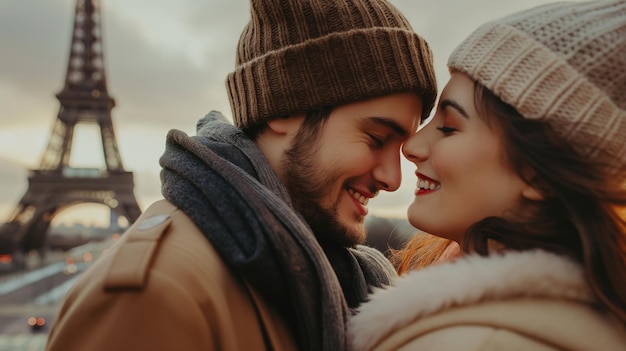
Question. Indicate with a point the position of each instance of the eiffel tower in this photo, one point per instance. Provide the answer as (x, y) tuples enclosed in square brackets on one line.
[(55, 185)]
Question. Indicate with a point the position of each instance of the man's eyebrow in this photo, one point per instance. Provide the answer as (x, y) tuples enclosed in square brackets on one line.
[(451, 103), (374, 122)]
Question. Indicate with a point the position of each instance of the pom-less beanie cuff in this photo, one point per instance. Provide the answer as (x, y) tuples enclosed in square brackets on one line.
[(564, 63), (541, 85), (335, 69)]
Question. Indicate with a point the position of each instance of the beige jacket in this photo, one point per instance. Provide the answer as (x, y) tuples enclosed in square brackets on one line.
[(520, 301), (164, 287)]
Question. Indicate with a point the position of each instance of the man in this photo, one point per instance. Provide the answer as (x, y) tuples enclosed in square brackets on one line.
[(255, 246)]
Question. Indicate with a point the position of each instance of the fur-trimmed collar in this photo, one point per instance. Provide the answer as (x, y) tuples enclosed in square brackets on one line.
[(466, 281)]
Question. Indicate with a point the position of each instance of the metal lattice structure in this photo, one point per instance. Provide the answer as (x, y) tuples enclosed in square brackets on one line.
[(55, 185)]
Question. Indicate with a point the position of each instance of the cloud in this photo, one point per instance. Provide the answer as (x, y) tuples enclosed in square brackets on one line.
[(13, 184), (156, 86), (166, 63), (150, 84), (33, 66), (29, 33)]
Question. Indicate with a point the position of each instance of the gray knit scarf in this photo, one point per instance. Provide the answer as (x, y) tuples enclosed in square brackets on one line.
[(222, 181)]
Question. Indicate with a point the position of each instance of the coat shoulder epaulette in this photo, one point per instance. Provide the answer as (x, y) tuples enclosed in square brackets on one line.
[(131, 260)]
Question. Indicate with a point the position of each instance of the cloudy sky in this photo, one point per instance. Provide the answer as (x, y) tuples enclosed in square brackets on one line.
[(166, 62)]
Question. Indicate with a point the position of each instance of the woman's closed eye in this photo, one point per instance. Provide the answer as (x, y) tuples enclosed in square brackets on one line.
[(446, 129)]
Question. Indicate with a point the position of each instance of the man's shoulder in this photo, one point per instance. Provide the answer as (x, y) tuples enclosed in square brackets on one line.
[(163, 242), (163, 268), (162, 256)]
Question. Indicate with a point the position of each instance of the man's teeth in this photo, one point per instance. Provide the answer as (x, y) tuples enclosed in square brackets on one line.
[(360, 198), (426, 185)]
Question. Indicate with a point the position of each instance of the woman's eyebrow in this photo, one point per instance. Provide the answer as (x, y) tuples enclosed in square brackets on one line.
[(453, 104)]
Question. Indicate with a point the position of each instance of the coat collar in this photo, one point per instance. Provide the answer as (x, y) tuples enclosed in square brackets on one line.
[(466, 281)]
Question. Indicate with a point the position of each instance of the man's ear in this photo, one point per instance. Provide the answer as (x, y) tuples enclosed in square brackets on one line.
[(277, 137), (286, 125)]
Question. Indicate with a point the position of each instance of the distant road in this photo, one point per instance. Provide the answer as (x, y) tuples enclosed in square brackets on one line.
[(38, 293), (23, 342)]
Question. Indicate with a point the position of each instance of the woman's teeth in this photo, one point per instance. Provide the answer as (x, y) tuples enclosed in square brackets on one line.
[(427, 185)]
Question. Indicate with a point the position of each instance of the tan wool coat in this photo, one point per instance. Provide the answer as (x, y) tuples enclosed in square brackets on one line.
[(164, 287), (517, 301)]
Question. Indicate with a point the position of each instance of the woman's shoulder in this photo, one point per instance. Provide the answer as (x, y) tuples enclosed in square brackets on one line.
[(525, 323), (470, 284)]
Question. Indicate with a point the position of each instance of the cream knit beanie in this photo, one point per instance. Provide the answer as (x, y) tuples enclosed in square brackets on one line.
[(298, 55), (564, 63)]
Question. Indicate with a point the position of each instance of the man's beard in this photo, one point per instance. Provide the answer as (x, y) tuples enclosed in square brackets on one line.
[(308, 184)]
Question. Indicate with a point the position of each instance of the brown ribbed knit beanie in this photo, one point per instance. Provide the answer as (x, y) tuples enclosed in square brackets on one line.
[(564, 63), (299, 55)]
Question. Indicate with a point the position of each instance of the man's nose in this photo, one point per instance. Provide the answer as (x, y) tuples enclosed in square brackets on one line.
[(387, 172)]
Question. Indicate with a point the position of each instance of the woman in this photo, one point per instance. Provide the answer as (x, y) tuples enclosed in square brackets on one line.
[(523, 166)]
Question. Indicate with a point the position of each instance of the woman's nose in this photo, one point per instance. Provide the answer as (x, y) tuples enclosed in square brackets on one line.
[(415, 149)]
